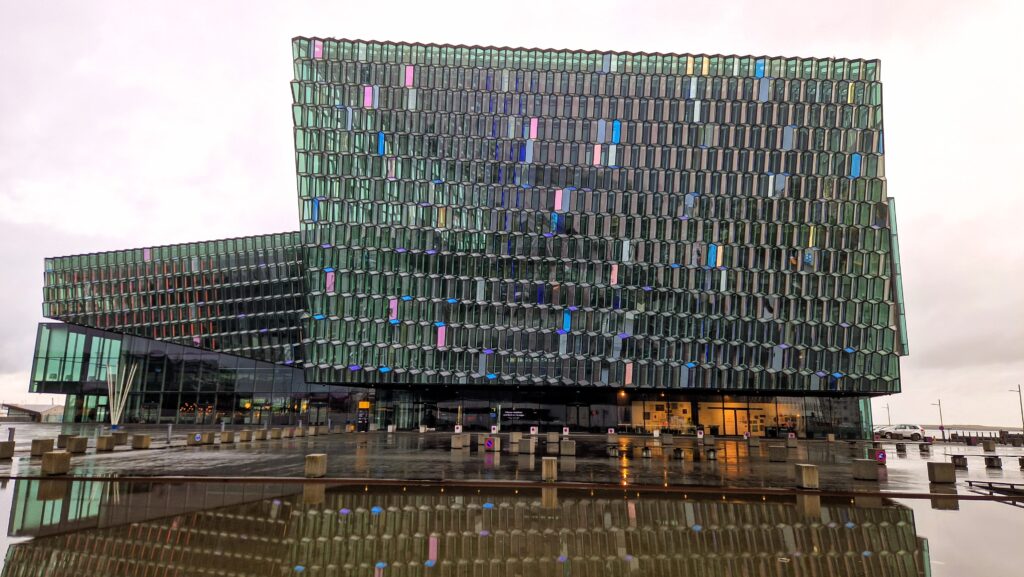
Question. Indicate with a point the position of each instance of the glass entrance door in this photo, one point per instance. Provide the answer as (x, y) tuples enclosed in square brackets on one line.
[(737, 421)]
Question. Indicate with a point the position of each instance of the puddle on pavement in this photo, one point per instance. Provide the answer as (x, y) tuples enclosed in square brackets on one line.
[(64, 527)]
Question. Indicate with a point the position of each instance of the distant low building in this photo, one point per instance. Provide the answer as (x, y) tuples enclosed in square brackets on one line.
[(34, 413)]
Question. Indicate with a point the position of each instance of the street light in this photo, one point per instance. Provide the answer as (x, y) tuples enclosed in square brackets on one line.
[(1020, 397), (942, 425), (888, 414)]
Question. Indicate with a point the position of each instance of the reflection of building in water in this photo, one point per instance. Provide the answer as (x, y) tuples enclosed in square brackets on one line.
[(420, 532)]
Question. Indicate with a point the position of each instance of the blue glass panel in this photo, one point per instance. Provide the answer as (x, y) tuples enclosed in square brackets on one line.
[(380, 143), (855, 166), (616, 131), (759, 68)]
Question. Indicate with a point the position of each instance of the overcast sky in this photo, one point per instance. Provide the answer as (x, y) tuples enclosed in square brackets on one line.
[(126, 124)]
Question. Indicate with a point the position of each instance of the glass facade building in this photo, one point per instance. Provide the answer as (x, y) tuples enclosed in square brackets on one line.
[(618, 239), (213, 329), (242, 296)]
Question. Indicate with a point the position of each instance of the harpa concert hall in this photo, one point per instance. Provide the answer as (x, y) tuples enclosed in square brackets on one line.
[(519, 237)]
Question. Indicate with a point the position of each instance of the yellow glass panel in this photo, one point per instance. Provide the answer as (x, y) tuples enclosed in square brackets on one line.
[(689, 64)]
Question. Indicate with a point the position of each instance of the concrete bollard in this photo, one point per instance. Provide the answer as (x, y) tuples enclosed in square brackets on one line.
[(77, 445), (227, 438), (667, 439), (56, 463), (791, 443), (831, 437), (196, 439), (865, 470), (316, 465), (993, 462), (709, 441), (941, 472), (313, 431), (40, 447), (120, 438), (1017, 441), (901, 448), (988, 445), (552, 437), (259, 435), (612, 439), (245, 436), (287, 432), (960, 461), (105, 443), (299, 432), (549, 469), (754, 441), (806, 476), (141, 441), (457, 440), (275, 433), (567, 447), (528, 446), (6, 450), (777, 454), (62, 440), (515, 437), (552, 448)]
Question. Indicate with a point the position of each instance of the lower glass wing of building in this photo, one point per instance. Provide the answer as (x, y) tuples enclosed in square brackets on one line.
[(177, 384)]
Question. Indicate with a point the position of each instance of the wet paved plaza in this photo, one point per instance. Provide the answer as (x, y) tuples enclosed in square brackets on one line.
[(422, 509), (415, 456)]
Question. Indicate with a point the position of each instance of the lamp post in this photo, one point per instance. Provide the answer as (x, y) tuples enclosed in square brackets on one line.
[(942, 425), (888, 414), (1020, 398)]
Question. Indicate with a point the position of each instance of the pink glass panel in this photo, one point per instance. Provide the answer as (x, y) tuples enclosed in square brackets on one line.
[(432, 553), (597, 154), (318, 49), (558, 199), (367, 96), (410, 71), (442, 332), (391, 168), (629, 373), (330, 282), (533, 127), (615, 273), (147, 254), (393, 309)]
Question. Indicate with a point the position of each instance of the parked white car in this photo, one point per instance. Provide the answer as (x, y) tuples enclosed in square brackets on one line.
[(912, 432)]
